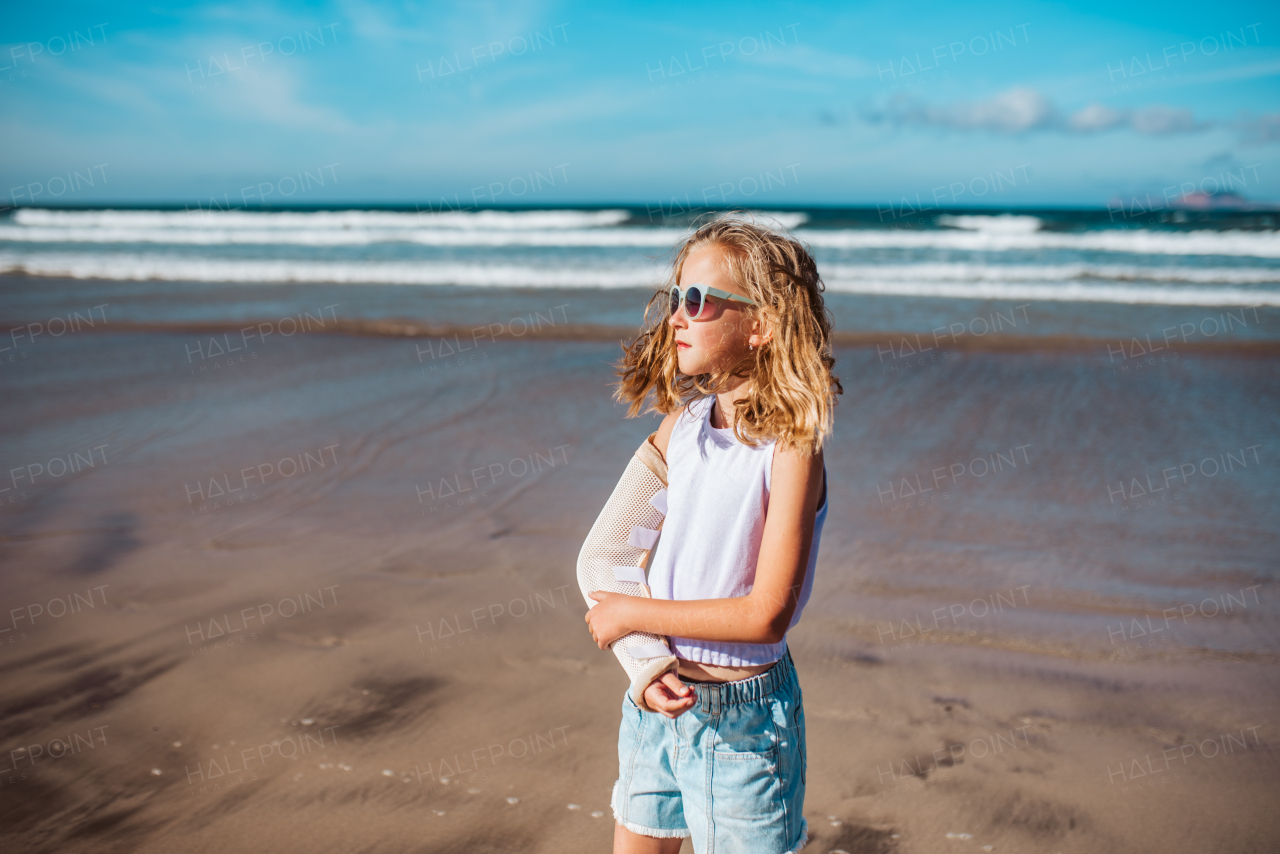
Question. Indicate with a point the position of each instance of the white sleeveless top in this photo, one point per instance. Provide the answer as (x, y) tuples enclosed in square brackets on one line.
[(717, 498)]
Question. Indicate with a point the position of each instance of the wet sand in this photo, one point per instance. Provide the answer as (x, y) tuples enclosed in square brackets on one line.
[(301, 586)]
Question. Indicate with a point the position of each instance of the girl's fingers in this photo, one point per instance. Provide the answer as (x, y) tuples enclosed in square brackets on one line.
[(672, 704), (675, 686)]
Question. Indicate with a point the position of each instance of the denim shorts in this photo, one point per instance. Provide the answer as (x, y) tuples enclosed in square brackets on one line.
[(730, 772)]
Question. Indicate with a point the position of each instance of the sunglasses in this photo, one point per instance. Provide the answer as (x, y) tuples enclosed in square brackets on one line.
[(695, 299)]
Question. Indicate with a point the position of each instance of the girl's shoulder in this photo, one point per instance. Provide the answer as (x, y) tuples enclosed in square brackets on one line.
[(663, 437)]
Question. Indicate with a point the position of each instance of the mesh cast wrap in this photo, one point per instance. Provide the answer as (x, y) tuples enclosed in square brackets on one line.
[(615, 554)]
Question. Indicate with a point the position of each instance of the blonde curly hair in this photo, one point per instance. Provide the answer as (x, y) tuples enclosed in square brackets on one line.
[(791, 399)]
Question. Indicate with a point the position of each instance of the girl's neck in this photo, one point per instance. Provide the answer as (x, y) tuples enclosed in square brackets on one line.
[(722, 411)]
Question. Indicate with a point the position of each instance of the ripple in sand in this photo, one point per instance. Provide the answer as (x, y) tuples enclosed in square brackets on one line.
[(320, 642)]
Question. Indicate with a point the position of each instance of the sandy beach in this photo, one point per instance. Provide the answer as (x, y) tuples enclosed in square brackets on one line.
[(310, 316), (321, 597)]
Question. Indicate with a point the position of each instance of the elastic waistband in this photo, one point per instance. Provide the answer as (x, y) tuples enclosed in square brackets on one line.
[(713, 695)]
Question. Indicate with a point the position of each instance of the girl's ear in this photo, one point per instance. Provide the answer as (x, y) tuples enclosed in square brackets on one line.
[(760, 334)]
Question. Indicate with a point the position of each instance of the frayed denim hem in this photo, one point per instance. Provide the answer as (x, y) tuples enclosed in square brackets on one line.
[(649, 831), (804, 836)]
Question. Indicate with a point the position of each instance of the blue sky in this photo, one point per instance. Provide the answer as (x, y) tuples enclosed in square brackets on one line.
[(769, 104)]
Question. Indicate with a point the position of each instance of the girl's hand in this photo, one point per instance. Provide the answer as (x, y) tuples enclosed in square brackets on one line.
[(670, 696), (607, 620)]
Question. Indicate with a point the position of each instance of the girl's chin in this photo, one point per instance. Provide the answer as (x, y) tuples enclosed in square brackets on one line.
[(695, 369)]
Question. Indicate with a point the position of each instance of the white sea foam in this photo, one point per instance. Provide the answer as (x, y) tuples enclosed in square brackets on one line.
[(203, 217), (1071, 283), (318, 220), (1139, 242), (786, 219), (962, 272), (362, 235), (578, 229), (1060, 292), (1002, 224), (142, 267)]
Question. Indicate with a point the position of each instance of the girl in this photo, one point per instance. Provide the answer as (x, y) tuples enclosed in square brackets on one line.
[(738, 356)]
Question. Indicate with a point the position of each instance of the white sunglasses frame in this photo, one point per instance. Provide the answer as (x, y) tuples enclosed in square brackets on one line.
[(707, 291)]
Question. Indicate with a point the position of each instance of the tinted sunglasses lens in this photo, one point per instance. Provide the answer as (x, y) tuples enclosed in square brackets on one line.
[(673, 301), (693, 301)]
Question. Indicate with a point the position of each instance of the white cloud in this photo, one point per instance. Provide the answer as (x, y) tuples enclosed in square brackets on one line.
[(1160, 120), (1015, 111), (1022, 109), (1095, 117), (816, 62), (1259, 130), (435, 27), (1019, 109), (1156, 120), (274, 97)]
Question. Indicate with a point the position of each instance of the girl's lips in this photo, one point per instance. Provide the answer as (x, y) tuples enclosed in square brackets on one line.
[(680, 345)]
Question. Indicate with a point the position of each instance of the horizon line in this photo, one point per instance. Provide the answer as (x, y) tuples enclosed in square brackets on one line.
[(873, 207)]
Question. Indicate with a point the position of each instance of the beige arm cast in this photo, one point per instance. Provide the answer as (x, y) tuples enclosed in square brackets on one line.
[(615, 554)]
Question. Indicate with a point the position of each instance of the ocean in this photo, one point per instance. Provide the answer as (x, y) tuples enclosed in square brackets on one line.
[(1077, 273)]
